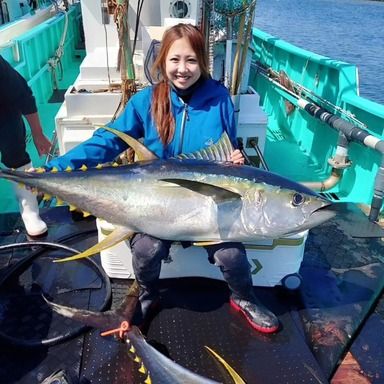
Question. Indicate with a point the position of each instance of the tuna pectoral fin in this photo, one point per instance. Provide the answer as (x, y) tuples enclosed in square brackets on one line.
[(235, 376), (205, 243), (218, 194), (141, 151), (115, 237)]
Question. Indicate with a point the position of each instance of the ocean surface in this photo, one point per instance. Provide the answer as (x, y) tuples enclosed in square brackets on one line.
[(346, 30)]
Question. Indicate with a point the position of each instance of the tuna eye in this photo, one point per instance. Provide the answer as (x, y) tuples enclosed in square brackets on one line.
[(297, 199)]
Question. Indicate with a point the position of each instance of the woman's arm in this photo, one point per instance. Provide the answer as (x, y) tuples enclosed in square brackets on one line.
[(103, 146)]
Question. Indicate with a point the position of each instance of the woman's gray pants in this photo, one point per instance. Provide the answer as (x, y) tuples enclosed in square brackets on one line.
[(148, 253)]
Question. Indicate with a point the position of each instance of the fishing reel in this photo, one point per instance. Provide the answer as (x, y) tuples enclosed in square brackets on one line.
[(179, 9)]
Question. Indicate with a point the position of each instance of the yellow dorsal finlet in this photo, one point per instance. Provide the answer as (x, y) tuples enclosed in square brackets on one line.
[(47, 197), (137, 359), (83, 168), (142, 369), (54, 170), (68, 169)]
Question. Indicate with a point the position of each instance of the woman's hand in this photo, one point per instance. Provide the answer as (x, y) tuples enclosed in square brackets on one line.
[(237, 157)]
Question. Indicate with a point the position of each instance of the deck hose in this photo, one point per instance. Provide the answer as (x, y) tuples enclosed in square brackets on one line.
[(19, 267)]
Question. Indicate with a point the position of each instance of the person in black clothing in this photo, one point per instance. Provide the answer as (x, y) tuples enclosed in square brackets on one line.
[(16, 101)]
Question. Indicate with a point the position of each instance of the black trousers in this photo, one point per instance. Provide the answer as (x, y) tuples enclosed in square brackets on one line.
[(148, 253), (13, 142)]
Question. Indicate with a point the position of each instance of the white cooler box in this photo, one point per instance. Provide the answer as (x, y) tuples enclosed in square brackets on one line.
[(274, 262)]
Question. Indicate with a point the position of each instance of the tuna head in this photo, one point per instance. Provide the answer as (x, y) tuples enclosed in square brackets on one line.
[(284, 209)]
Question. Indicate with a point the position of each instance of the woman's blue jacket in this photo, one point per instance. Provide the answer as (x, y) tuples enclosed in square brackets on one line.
[(199, 124)]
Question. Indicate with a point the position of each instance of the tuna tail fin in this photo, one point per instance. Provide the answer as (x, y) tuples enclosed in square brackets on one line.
[(102, 320), (141, 151), (235, 376), (118, 235), (220, 151)]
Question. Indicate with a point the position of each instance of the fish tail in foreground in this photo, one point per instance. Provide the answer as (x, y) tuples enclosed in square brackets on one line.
[(158, 368), (154, 365), (102, 320)]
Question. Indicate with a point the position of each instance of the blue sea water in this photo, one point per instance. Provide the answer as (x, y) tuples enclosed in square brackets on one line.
[(346, 30)]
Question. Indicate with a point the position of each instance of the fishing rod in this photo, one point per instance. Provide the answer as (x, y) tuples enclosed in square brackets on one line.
[(300, 89), (350, 131)]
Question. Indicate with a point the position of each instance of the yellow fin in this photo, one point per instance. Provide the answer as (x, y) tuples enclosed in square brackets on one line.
[(115, 237), (205, 243), (141, 151), (235, 376), (142, 368), (137, 359), (47, 197)]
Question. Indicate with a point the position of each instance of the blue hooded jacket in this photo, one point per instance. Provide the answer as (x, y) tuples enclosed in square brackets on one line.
[(199, 124)]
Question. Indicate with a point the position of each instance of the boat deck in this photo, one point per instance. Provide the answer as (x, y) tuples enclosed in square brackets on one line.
[(338, 308)]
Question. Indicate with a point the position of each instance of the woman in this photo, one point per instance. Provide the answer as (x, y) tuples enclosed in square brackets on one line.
[(184, 112)]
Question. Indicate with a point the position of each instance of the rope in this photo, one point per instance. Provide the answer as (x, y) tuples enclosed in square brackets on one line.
[(55, 61), (124, 59)]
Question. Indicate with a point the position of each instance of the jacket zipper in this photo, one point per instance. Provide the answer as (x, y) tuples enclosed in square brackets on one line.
[(183, 122)]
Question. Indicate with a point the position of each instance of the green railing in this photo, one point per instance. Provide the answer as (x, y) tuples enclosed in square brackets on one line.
[(322, 79), (29, 54)]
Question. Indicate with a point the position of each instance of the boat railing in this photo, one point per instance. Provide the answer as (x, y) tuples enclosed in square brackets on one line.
[(330, 89)]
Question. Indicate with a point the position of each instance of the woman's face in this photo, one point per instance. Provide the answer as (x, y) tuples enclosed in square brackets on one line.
[(181, 65)]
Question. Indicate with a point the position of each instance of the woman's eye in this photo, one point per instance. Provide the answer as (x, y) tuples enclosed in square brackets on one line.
[(297, 199)]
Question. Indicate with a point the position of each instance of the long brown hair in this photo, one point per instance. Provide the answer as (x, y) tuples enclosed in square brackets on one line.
[(161, 102)]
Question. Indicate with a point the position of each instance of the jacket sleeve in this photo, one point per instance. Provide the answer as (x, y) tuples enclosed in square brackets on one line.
[(103, 146)]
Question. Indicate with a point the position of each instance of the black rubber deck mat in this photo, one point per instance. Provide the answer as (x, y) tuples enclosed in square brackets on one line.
[(197, 314)]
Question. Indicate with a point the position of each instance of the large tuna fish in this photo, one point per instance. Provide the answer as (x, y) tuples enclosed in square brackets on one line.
[(196, 200)]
